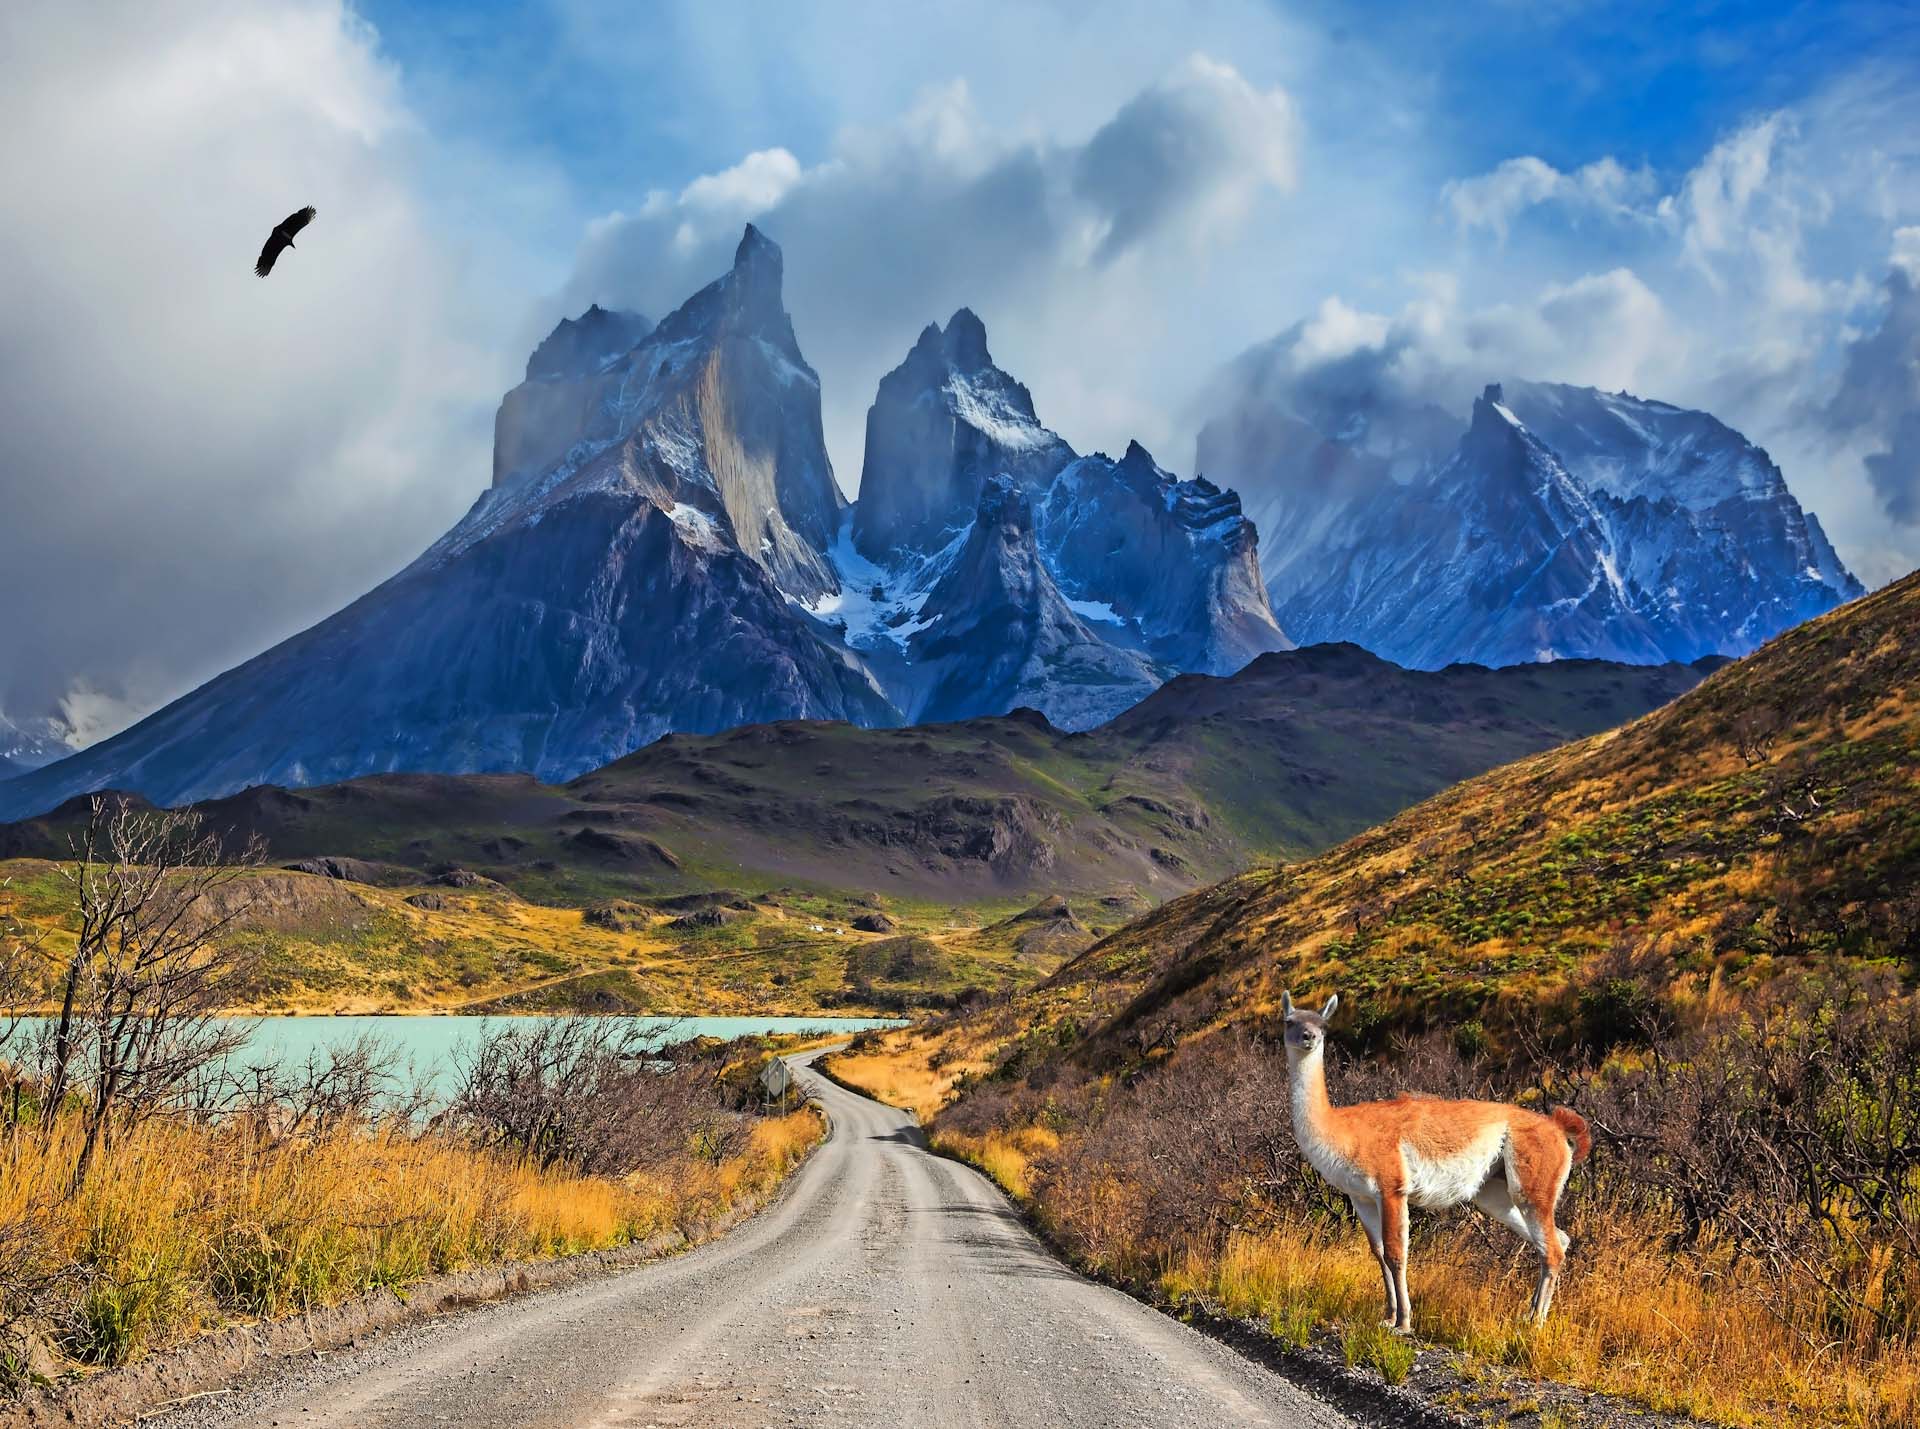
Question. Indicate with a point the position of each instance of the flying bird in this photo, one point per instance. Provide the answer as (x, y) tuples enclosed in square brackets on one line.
[(281, 239)]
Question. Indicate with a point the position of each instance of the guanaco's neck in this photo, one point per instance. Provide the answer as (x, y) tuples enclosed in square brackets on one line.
[(1308, 1073)]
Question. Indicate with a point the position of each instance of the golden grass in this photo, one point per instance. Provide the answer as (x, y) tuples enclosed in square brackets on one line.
[(898, 1068), (1680, 1336), (1695, 1335), (1006, 1157), (183, 1226)]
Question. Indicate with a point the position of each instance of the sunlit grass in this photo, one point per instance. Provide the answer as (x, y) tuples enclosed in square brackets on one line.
[(185, 1226)]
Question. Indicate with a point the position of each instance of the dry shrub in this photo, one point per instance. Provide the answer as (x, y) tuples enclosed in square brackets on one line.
[(316, 1187), (598, 1096)]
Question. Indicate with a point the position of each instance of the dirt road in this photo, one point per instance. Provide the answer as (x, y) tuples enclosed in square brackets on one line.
[(886, 1287)]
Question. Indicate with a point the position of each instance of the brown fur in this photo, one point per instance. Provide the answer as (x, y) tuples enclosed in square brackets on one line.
[(1575, 1126)]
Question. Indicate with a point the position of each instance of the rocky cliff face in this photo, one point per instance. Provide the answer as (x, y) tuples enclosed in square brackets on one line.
[(943, 422), (644, 582), (1565, 522), (1132, 558), (1174, 559), (546, 414), (995, 633)]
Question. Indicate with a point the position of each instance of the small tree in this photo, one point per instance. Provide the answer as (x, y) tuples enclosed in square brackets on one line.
[(137, 1024), (1754, 731)]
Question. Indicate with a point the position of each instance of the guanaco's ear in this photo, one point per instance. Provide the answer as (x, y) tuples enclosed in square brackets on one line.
[(1286, 1004), (1326, 1013)]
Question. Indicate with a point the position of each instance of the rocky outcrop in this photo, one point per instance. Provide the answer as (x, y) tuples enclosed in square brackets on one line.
[(546, 414), (997, 633), (1176, 560), (943, 422)]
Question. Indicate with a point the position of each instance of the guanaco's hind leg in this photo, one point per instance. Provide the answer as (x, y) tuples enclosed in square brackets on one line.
[(1536, 1174), (1393, 1237), (1368, 1210)]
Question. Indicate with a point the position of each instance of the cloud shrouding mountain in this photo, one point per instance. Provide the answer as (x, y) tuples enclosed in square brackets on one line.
[(1060, 243)]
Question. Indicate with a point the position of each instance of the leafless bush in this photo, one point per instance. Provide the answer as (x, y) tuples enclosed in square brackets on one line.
[(1754, 731), (595, 1094), (357, 1083), (1792, 1131), (137, 1029)]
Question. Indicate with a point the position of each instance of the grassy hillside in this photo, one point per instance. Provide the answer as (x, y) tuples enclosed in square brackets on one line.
[(1767, 821), (329, 945), (1703, 929)]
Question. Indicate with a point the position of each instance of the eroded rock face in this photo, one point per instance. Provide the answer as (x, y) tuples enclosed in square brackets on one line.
[(943, 422), (998, 633), (546, 414)]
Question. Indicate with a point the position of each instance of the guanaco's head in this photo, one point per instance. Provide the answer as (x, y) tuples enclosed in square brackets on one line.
[(1306, 1031)]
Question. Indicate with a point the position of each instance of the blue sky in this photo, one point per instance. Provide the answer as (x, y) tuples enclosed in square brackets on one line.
[(1652, 82), (1714, 204)]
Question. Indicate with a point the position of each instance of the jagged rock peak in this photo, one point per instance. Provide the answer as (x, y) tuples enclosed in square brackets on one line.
[(966, 342), (1004, 504), (1495, 433), (578, 346), (960, 347), (942, 422), (746, 300), (758, 265)]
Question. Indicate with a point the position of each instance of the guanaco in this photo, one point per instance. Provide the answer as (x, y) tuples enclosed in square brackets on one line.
[(1421, 1151)]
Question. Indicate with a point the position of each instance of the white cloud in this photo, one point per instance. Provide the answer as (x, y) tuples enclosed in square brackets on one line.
[(753, 185), (1876, 403), (1071, 251), (1197, 148), (194, 462), (1602, 329), (1493, 200)]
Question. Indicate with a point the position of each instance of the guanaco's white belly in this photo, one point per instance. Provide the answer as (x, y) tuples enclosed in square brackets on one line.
[(1437, 1181)]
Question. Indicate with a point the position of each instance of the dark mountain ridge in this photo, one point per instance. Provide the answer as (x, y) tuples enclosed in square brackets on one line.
[(1204, 776)]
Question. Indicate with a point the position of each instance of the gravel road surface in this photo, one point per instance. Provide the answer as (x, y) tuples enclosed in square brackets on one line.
[(887, 1286)]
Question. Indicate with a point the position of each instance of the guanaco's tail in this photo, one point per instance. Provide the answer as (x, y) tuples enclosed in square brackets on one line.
[(1575, 1126)]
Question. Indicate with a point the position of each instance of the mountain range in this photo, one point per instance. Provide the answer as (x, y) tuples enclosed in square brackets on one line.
[(663, 548), (1563, 521)]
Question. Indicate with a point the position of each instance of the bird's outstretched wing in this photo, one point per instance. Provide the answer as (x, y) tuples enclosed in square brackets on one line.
[(281, 238), (276, 245)]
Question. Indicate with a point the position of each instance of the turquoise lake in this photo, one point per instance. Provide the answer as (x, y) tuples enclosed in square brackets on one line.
[(432, 1043), (430, 1046)]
